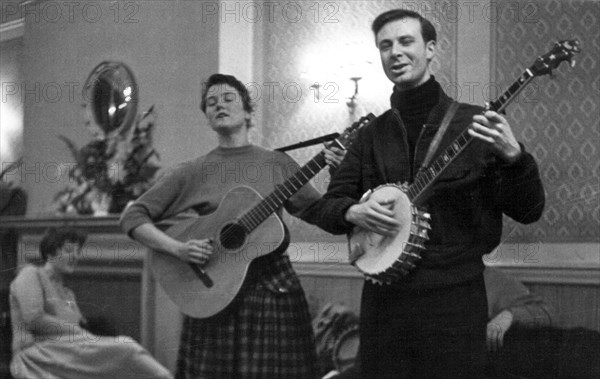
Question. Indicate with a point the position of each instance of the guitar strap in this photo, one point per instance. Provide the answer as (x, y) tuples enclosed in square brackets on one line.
[(438, 136)]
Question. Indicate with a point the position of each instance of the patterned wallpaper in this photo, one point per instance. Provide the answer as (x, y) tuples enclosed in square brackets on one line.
[(558, 119), (329, 42)]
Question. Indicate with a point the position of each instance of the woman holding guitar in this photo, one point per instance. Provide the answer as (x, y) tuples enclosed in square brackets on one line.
[(266, 331)]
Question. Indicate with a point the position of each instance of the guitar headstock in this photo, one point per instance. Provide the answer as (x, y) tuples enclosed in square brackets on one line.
[(561, 51), (347, 137)]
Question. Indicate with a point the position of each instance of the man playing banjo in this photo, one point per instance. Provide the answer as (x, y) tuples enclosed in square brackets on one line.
[(431, 320)]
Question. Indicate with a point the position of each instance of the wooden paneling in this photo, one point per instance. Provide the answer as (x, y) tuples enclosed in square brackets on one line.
[(575, 305), (113, 282), (110, 297), (321, 290), (574, 293)]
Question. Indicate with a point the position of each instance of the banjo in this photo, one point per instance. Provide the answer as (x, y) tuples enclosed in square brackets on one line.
[(383, 259)]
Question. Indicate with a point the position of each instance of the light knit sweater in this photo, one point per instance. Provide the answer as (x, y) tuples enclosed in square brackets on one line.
[(200, 184)]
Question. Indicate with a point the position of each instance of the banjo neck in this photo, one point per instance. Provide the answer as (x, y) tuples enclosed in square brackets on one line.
[(427, 176), (562, 51)]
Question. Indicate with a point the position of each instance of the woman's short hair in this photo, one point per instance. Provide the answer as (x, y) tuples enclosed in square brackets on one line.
[(427, 28), (55, 238), (232, 81)]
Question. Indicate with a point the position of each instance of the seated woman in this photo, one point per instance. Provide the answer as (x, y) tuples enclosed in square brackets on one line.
[(48, 341)]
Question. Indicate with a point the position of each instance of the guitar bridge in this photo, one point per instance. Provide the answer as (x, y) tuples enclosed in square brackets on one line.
[(202, 275)]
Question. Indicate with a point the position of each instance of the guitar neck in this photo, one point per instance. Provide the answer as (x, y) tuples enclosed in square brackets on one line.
[(259, 213), (425, 178)]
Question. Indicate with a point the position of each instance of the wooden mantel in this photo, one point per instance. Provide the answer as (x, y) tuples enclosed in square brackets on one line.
[(28, 224), (105, 245)]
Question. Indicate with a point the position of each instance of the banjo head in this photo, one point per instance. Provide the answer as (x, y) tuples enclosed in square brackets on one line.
[(384, 259)]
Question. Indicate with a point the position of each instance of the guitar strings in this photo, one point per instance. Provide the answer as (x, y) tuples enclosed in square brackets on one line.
[(275, 200), (260, 213)]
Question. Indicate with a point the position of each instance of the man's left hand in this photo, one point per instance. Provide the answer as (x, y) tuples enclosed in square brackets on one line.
[(495, 130)]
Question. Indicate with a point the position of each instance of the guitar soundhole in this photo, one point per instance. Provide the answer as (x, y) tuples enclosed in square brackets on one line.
[(232, 236)]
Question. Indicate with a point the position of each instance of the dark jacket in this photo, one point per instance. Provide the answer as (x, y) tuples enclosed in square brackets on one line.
[(466, 202)]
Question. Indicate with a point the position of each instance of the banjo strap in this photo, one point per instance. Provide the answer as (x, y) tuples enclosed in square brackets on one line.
[(440, 133)]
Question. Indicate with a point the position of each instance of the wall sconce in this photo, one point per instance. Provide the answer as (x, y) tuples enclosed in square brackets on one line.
[(315, 86), (351, 102)]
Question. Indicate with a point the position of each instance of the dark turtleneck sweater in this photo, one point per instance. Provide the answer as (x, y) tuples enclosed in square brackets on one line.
[(414, 106)]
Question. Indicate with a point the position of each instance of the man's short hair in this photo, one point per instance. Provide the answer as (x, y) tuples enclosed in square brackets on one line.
[(427, 28)]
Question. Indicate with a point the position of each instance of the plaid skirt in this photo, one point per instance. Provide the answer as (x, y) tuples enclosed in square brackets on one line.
[(263, 335)]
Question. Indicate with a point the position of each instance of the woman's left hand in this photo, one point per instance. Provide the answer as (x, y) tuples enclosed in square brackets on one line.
[(334, 155)]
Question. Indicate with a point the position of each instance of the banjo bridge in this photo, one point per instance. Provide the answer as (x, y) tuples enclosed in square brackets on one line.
[(384, 260)]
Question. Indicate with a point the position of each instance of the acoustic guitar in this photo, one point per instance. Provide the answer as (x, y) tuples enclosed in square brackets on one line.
[(245, 226)]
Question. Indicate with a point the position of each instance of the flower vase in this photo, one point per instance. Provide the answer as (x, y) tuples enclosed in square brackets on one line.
[(119, 200), (100, 204)]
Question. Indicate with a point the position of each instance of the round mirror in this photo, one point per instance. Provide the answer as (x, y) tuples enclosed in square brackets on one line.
[(111, 94)]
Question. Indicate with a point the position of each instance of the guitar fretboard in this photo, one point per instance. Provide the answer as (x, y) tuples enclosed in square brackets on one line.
[(425, 178), (255, 216), (259, 213)]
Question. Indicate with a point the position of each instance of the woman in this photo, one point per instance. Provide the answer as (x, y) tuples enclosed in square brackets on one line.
[(48, 341), (267, 332)]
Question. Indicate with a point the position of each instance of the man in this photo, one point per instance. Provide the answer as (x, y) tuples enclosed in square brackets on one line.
[(432, 322)]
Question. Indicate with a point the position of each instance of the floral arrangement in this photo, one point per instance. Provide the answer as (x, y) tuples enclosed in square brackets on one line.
[(113, 169)]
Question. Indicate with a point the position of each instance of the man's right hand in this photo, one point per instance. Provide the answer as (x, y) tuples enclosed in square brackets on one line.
[(377, 217), (195, 251)]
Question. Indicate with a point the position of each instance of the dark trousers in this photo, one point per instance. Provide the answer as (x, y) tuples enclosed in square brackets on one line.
[(436, 333)]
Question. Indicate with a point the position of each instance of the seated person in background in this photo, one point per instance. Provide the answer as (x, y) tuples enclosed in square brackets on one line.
[(511, 303), (522, 337), (48, 341), (525, 342)]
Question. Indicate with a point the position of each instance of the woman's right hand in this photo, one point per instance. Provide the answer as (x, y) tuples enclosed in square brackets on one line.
[(195, 251)]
